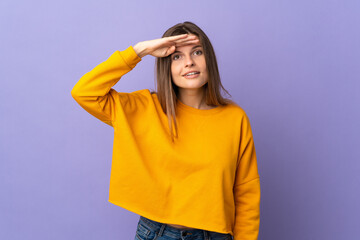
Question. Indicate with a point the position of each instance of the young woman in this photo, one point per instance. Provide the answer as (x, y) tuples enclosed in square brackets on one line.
[(184, 157)]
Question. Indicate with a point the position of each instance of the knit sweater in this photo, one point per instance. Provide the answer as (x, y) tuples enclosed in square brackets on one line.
[(207, 179)]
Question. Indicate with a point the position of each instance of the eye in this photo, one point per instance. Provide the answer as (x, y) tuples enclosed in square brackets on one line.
[(196, 52), (199, 52)]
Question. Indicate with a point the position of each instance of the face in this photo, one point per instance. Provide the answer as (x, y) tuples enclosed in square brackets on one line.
[(185, 59)]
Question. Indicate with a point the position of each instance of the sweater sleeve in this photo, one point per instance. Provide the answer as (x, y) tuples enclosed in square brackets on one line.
[(94, 91), (247, 187)]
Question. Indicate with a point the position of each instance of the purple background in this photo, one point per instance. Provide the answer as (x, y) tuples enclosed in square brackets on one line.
[(293, 66)]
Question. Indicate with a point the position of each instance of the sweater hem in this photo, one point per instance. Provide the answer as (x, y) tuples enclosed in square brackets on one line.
[(166, 221)]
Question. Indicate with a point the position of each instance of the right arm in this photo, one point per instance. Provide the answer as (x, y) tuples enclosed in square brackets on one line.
[(94, 90)]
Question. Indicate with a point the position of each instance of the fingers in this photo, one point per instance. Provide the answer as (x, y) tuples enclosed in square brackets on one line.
[(177, 37), (180, 38), (190, 39), (184, 43)]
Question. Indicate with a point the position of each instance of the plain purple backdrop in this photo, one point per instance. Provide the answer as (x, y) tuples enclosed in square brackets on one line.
[(293, 66)]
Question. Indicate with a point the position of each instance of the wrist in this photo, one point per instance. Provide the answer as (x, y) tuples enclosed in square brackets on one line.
[(140, 50)]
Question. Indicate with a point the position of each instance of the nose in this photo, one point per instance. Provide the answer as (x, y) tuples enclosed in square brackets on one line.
[(189, 61)]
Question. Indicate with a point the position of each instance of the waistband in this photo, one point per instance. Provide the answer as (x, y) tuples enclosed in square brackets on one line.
[(165, 229)]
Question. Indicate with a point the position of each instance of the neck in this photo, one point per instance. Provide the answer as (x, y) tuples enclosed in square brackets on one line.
[(193, 97)]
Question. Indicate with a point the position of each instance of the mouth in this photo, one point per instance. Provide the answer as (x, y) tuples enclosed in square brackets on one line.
[(190, 74)]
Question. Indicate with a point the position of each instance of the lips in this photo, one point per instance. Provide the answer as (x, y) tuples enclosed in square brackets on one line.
[(191, 72), (192, 76)]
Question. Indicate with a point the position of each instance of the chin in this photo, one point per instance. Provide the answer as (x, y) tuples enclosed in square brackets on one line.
[(191, 85)]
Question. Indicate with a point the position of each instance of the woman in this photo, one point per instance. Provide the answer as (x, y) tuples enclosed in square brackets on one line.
[(184, 157)]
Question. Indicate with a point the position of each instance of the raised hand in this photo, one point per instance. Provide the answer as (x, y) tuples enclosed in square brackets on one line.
[(163, 47)]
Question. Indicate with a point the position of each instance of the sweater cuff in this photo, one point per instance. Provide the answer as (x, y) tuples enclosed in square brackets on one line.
[(130, 57)]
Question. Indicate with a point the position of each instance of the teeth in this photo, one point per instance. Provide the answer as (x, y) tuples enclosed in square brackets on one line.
[(191, 73)]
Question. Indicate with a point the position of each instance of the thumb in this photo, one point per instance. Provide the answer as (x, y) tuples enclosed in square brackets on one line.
[(171, 49)]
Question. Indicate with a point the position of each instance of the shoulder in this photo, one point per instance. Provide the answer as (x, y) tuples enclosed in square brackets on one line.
[(142, 93), (146, 93), (135, 98), (236, 109)]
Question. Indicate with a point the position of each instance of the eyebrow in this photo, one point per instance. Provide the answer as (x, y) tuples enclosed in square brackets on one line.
[(191, 49)]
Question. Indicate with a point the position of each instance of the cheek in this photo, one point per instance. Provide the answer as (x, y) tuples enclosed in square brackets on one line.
[(203, 62), (205, 70), (174, 70)]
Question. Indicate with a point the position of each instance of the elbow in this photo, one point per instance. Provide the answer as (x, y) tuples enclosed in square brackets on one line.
[(73, 93)]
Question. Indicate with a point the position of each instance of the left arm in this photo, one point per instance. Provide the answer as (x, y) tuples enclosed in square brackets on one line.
[(247, 188)]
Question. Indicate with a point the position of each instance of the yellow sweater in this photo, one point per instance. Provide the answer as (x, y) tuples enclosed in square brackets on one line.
[(208, 179)]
